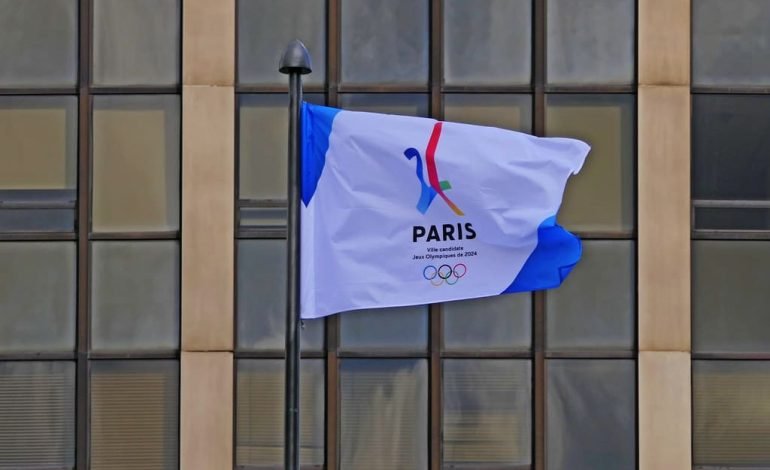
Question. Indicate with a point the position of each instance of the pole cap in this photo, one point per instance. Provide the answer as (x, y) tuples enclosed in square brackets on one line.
[(295, 59)]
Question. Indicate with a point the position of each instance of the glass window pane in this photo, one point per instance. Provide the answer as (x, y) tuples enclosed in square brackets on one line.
[(731, 155), (136, 42), (37, 415), (591, 42), (259, 413), (37, 296), (18, 219), (601, 197), (135, 163), (386, 328), (594, 308), (731, 419), (38, 162), (487, 413), (383, 414), (38, 142), (262, 299), (264, 217), (135, 296), (134, 419), (591, 414), (407, 104), (384, 42), (38, 43), (730, 296), (487, 42), (728, 37), (263, 144), (503, 322), (265, 27), (507, 111)]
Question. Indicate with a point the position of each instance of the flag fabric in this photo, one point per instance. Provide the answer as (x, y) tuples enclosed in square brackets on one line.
[(401, 210)]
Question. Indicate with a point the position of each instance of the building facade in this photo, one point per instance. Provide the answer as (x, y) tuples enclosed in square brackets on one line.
[(142, 238)]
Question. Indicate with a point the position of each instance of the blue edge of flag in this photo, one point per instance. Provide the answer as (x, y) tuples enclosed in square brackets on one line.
[(557, 250)]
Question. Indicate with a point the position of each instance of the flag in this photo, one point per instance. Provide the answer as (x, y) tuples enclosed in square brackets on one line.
[(400, 210)]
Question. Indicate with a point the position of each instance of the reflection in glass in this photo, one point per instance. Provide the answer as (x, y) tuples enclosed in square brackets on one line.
[(387, 328), (136, 42), (135, 163), (38, 163), (406, 104), (730, 160), (591, 414), (503, 322), (730, 296), (37, 296), (38, 43), (134, 414), (259, 412), (487, 412), (265, 27), (487, 42), (601, 196), (37, 415), (262, 145), (135, 296), (731, 419), (512, 112), (384, 42), (594, 308), (383, 414), (590, 42), (262, 299), (727, 39)]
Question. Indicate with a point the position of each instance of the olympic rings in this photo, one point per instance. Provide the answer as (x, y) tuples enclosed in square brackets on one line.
[(444, 273)]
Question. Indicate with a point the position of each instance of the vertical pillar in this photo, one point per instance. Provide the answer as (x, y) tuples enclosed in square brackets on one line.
[(208, 178), (665, 433)]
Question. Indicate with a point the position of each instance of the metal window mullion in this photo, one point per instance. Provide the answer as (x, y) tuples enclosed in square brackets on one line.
[(538, 304), (83, 220)]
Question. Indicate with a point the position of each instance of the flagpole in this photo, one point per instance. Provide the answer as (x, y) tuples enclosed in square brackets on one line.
[(295, 63)]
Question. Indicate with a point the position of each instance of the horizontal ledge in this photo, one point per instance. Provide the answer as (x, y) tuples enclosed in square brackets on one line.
[(591, 355), (138, 90), (38, 91), (262, 233), (117, 355), (275, 89), (262, 203), (275, 354), (709, 234), (38, 236), (729, 204), (730, 90), (170, 235), (592, 89), (43, 356), (733, 356), (487, 354), (485, 89)]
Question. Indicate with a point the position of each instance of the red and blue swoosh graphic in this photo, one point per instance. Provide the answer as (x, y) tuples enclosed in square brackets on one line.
[(436, 187)]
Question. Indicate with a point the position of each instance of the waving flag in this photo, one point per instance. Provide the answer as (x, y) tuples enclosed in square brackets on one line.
[(401, 210)]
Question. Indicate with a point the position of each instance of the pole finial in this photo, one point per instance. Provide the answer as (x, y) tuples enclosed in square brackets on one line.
[(295, 59)]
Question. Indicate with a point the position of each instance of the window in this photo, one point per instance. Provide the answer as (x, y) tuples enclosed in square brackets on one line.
[(480, 374), (89, 234), (731, 234)]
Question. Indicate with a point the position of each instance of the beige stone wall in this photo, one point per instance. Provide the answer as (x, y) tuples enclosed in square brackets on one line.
[(665, 434), (208, 178)]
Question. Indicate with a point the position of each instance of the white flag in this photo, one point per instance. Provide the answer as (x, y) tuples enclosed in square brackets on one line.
[(401, 210)]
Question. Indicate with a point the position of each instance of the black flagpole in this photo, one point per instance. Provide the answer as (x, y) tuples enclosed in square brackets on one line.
[(295, 63)]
